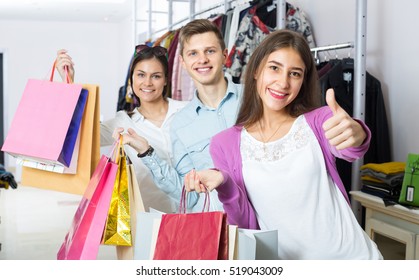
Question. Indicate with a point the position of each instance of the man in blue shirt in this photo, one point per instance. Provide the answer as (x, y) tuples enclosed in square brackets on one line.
[(213, 108)]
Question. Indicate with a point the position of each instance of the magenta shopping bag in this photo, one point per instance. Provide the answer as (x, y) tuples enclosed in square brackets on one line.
[(85, 234), (47, 121)]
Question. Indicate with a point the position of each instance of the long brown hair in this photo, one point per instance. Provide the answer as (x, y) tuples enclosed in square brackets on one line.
[(251, 109)]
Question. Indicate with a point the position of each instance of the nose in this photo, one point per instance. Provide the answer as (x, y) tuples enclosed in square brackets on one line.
[(283, 80), (202, 57), (148, 80)]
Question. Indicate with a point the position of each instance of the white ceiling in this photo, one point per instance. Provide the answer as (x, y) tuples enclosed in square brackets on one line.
[(66, 10)]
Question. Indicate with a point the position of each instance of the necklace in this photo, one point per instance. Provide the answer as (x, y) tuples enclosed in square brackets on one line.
[(270, 137)]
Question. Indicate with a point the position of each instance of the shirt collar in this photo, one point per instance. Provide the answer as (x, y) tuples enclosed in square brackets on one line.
[(231, 92), (136, 116)]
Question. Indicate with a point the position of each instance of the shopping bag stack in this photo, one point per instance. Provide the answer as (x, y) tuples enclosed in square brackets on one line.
[(91, 219), (383, 180), (55, 134)]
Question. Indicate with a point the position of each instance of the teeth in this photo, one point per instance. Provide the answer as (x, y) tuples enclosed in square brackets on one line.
[(276, 93), (203, 69), (147, 90)]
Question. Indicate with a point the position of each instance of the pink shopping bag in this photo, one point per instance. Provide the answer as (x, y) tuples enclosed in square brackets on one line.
[(85, 234), (47, 121)]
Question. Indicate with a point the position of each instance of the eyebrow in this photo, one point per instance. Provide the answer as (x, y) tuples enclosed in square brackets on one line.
[(139, 70), (205, 49), (280, 64)]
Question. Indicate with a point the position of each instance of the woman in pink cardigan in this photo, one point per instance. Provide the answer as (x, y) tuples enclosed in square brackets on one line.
[(275, 169)]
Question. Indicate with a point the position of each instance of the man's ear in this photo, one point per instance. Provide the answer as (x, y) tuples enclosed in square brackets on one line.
[(225, 54), (182, 61)]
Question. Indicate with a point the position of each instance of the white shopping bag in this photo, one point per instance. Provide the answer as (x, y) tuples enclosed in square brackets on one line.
[(146, 234), (256, 244)]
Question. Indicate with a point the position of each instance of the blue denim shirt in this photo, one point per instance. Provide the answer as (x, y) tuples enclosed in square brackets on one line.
[(191, 131)]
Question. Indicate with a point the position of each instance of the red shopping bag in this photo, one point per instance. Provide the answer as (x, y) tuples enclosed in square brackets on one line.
[(85, 234), (50, 114), (192, 236)]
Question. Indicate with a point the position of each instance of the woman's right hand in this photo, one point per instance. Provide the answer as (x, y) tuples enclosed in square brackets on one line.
[(203, 180), (64, 60), (131, 138)]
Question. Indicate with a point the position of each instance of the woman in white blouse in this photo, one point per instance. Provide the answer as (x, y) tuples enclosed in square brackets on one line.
[(148, 77)]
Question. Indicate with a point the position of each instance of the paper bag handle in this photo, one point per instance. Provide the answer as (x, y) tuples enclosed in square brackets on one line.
[(67, 76), (184, 198), (120, 151), (114, 153)]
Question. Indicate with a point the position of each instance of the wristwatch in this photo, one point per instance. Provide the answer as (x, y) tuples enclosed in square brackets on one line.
[(149, 151)]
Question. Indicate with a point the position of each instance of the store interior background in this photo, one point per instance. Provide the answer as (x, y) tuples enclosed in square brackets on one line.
[(101, 49)]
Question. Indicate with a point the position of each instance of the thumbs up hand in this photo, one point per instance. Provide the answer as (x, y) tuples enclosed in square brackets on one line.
[(341, 130)]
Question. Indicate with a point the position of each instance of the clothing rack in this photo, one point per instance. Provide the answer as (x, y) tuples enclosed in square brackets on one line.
[(329, 48), (359, 91), (192, 16), (281, 14)]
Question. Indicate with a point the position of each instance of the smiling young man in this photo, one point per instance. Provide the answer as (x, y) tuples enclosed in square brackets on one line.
[(213, 108)]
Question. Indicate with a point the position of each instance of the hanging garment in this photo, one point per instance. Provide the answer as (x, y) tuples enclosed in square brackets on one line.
[(251, 33), (182, 84), (217, 19), (235, 23), (227, 26), (257, 23), (295, 20)]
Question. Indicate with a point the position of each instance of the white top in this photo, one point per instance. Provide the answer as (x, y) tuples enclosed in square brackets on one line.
[(159, 138), (291, 191)]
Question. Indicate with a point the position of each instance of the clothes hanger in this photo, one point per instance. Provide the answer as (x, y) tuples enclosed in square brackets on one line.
[(348, 63)]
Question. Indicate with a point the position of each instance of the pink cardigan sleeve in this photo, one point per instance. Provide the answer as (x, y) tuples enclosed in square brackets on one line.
[(225, 153)]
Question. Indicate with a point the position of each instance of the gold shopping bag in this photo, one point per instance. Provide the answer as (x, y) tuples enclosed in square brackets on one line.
[(118, 225), (136, 205)]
